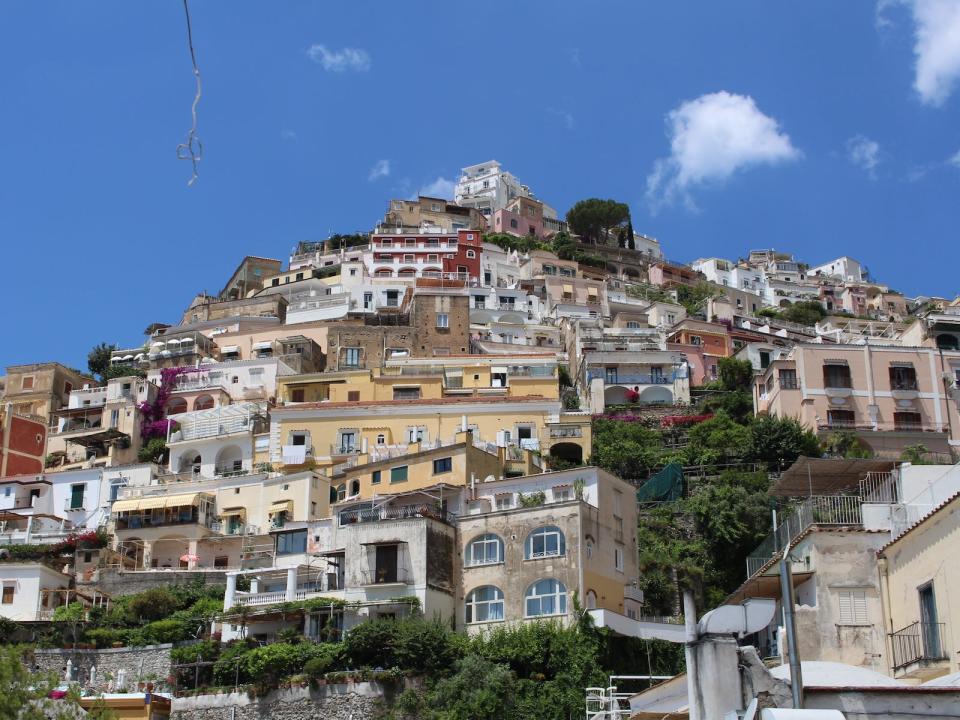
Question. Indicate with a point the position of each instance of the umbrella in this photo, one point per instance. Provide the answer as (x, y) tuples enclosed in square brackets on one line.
[(189, 558)]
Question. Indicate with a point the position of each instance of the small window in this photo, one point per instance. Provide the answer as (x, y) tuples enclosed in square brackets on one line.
[(8, 594), (381, 439), (853, 607), (471, 254), (633, 325), (504, 501), (353, 396), (618, 558), (26, 383), (788, 379), (442, 465), (398, 474), (375, 477), (406, 393), (443, 320)]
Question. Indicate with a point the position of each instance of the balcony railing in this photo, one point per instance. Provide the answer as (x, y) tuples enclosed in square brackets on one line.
[(918, 642), (573, 431), (629, 378), (395, 512), (386, 577), (879, 487), (837, 510)]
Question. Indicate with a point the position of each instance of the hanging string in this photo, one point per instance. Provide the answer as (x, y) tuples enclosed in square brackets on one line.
[(192, 149)]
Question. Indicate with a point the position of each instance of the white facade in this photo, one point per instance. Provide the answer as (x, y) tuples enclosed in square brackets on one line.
[(23, 586), (218, 442), (488, 187), (844, 268), (239, 379)]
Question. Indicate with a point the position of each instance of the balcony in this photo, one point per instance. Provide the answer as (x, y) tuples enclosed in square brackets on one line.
[(917, 649), (385, 576), (71, 505), (395, 512), (836, 510), (563, 431), (344, 448), (629, 378)]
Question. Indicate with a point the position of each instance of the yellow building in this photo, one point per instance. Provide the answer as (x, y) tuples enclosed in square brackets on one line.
[(356, 432), (130, 706), (429, 378)]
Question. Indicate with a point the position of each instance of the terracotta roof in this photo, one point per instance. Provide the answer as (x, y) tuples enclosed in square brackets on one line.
[(396, 403), (921, 521)]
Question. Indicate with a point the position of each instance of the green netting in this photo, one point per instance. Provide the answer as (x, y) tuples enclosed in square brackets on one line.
[(666, 485)]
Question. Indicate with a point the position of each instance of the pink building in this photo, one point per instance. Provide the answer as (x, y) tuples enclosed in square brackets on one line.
[(890, 396), (523, 216)]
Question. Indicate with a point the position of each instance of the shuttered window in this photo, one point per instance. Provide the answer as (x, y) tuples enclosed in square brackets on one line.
[(853, 607)]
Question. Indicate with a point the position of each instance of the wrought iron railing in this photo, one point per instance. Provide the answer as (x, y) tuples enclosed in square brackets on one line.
[(916, 643), (395, 512)]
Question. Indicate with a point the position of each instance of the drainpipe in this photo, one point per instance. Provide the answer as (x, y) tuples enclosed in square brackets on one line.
[(789, 616)]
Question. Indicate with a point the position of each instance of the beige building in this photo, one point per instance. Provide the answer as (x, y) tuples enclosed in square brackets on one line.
[(42, 388), (921, 596), (890, 396), (531, 547), (427, 213)]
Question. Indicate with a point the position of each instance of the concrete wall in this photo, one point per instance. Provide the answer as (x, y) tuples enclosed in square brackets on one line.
[(114, 582), (150, 661), (353, 701)]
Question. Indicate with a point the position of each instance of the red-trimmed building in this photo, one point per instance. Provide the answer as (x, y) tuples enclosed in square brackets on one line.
[(23, 441), (415, 255)]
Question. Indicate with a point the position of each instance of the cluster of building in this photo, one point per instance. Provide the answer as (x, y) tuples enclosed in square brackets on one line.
[(403, 419)]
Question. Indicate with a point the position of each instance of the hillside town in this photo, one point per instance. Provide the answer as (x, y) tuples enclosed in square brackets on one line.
[(482, 416)]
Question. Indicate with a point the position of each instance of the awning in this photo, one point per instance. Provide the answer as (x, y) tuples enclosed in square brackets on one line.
[(233, 512), (568, 289), (125, 505), (281, 506), (230, 349), (395, 541), (899, 364), (265, 345), (186, 341), (592, 291), (152, 503), (498, 369), (173, 341), (453, 372)]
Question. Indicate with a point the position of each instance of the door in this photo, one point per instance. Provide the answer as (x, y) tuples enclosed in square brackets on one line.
[(610, 376), (929, 628), (386, 564)]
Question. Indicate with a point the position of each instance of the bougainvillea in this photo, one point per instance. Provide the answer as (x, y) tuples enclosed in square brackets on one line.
[(153, 413)]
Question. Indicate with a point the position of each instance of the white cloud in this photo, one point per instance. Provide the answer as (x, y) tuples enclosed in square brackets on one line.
[(288, 135), (439, 188), (864, 153), (711, 138), (339, 60), (937, 48), (565, 116), (380, 169), (955, 160)]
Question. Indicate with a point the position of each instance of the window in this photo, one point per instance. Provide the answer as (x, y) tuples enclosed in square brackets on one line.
[(484, 604), (313, 509), (546, 597), (562, 493), (300, 276), (354, 488), (381, 439), (406, 393), (26, 383), (289, 543), (375, 477), (221, 562), (618, 558), (903, 378), (633, 325), (479, 301), (504, 501), (696, 340), (513, 223), (398, 474), (764, 358), (416, 434), (836, 376), (76, 496), (114, 418), (433, 258), (297, 395), (351, 357), (588, 544), (443, 320), (545, 541), (393, 298), (353, 396), (841, 418), (610, 375), (484, 550), (408, 258), (442, 465), (8, 590), (907, 421), (853, 607), (471, 254), (788, 379)]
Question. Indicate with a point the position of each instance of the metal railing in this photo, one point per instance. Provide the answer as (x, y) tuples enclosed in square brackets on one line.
[(386, 577), (395, 512), (836, 510), (629, 378), (916, 643), (879, 487)]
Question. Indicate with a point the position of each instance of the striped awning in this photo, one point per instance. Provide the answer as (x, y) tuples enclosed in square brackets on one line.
[(233, 512), (280, 506), (155, 502)]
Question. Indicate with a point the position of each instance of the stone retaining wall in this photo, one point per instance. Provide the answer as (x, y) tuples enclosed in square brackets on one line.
[(349, 701), (141, 663), (114, 582)]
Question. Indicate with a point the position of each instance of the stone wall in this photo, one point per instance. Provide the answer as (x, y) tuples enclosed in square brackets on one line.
[(149, 662), (351, 701), (114, 582)]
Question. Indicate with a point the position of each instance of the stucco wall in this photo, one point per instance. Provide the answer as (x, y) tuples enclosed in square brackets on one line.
[(354, 701)]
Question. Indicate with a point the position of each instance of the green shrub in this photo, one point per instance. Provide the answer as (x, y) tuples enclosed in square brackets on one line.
[(328, 656), (103, 637), (153, 604), (165, 631)]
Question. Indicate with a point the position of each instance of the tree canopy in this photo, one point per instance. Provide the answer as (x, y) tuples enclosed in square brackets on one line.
[(593, 219), (98, 359)]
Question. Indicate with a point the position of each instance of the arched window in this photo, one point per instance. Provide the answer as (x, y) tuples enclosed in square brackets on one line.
[(546, 597), (591, 600), (588, 547), (203, 402), (484, 550), (354, 487), (381, 439), (484, 604), (341, 492), (471, 254), (545, 541), (176, 406)]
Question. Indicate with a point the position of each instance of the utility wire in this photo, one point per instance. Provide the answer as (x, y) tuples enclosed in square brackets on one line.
[(192, 149)]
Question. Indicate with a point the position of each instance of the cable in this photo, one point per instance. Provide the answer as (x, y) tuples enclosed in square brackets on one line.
[(192, 149)]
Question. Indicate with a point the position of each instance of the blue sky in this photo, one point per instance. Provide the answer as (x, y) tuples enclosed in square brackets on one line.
[(821, 127)]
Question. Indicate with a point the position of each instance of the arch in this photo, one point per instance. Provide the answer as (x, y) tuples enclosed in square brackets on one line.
[(512, 318), (568, 452), (176, 405), (633, 273), (946, 341), (203, 402), (190, 460), (545, 597), (481, 317), (407, 272), (341, 492), (354, 488), (167, 550), (432, 271), (545, 541), (785, 303), (656, 395), (484, 604), (613, 269), (591, 600), (384, 272), (486, 549), (229, 459), (616, 395)]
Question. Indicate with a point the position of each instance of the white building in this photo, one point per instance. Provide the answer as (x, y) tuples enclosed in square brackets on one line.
[(30, 591), (218, 442), (844, 268), (488, 187)]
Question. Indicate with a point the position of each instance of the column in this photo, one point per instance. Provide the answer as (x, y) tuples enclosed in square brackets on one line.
[(147, 553), (230, 596), (291, 584), (192, 552)]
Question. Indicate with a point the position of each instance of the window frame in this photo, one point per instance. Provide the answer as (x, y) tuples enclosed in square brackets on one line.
[(473, 604), (544, 533), (487, 540), (557, 596)]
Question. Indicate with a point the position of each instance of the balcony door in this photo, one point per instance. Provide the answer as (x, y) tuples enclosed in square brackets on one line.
[(929, 628), (386, 564)]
